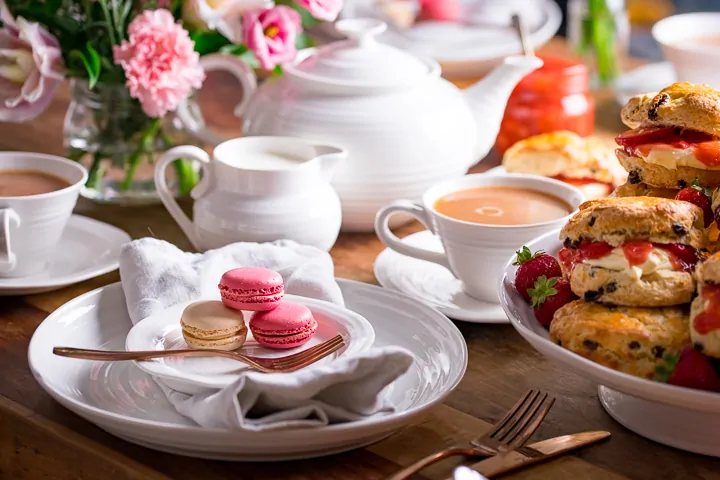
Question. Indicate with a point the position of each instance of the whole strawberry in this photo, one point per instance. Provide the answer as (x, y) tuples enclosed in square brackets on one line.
[(692, 370), (548, 295), (532, 266), (699, 196)]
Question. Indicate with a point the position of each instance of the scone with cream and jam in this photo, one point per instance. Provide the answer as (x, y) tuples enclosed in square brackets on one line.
[(705, 312), (586, 163), (633, 340), (633, 251), (675, 137)]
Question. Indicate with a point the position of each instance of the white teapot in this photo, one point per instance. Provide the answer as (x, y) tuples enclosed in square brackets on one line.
[(404, 126), (258, 189)]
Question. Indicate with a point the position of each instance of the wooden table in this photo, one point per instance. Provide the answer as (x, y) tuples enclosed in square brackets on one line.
[(41, 439)]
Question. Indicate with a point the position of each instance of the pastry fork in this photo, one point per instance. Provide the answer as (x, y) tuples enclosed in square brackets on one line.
[(288, 363), (513, 431)]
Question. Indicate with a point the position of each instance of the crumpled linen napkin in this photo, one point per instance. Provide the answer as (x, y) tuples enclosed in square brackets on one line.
[(156, 275)]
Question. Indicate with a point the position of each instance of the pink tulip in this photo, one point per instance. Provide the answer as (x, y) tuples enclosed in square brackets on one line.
[(31, 68), (327, 10), (271, 34)]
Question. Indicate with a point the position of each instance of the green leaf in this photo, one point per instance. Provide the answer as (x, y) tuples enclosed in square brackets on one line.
[(249, 58), (91, 62), (93, 66), (543, 289), (304, 41), (233, 49), (307, 19), (277, 71), (208, 42)]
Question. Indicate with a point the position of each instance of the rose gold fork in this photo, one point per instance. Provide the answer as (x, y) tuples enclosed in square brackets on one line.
[(288, 363), (515, 428)]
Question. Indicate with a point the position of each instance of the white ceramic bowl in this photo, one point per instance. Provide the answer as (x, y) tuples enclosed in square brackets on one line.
[(676, 416), (692, 62)]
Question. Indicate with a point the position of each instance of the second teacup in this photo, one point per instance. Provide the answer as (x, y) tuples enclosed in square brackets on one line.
[(481, 221)]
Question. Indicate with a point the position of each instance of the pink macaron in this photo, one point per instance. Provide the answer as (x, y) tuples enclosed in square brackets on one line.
[(287, 326), (251, 288)]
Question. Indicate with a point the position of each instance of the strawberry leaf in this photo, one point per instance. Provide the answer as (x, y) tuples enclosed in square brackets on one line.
[(664, 371), (695, 185), (543, 289), (524, 255)]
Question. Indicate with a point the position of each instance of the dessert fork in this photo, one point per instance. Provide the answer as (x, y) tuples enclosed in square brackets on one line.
[(510, 433), (288, 363)]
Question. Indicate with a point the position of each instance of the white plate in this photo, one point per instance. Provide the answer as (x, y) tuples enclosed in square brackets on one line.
[(123, 400), (648, 78), (190, 375), (433, 283), (88, 248), (466, 48), (680, 417)]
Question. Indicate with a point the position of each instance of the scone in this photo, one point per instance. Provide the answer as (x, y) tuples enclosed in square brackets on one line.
[(628, 189), (586, 163), (633, 251), (675, 137), (629, 339), (705, 311)]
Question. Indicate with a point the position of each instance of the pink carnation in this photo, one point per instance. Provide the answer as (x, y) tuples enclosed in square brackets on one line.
[(327, 10), (271, 34), (160, 63)]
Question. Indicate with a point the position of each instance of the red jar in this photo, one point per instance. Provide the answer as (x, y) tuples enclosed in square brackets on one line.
[(554, 97)]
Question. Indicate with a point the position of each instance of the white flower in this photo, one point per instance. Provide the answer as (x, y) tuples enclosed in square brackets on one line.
[(225, 16)]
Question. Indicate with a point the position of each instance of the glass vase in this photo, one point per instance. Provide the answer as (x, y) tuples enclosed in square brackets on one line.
[(107, 131)]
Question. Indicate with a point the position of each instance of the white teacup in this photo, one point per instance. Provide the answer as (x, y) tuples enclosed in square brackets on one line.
[(688, 42), (31, 226), (475, 253)]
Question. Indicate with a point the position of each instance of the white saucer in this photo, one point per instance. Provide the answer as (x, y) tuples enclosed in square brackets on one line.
[(191, 375), (88, 248), (648, 78), (432, 283), (123, 400)]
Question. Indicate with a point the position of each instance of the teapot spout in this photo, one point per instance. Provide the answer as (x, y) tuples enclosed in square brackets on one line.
[(488, 97), (329, 157)]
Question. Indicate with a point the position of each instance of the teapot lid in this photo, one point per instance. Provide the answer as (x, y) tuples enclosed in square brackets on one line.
[(362, 61)]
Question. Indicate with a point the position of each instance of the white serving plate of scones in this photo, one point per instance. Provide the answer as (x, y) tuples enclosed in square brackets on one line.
[(627, 293)]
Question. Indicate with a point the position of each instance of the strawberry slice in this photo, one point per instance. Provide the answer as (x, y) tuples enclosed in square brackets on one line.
[(641, 136)]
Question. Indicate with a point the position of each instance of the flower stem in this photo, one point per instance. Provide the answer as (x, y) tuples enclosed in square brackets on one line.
[(109, 20), (95, 172), (187, 176), (146, 144)]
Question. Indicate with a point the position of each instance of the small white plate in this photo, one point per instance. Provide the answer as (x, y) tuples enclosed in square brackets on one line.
[(190, 375), (680, 417), (123, 400), (433, 283), (88, 248), (648, 78)]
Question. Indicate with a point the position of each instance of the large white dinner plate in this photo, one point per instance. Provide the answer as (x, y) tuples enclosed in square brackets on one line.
[(680, 417), (123, 400), (162, 331), (88, 248)]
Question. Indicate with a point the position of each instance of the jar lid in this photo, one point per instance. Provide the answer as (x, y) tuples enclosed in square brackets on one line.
[(559, 74), (361, 60)]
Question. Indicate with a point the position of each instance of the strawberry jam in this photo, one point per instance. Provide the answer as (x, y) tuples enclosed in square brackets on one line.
[(637, 252), (709, 319), (683, 257), (705, 147), (570, 257)]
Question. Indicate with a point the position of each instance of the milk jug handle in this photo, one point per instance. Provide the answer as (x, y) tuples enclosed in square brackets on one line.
[(187, 152), (244, 74)]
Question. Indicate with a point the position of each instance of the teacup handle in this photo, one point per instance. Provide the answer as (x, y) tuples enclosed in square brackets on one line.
[(8, 218), (392, 241), (240, 70), (188, 152)]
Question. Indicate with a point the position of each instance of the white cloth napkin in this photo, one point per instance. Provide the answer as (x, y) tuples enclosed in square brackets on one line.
[(156, 275)]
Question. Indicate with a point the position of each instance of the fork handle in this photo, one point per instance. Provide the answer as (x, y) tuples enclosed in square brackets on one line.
[(430, 459), (113, 356)]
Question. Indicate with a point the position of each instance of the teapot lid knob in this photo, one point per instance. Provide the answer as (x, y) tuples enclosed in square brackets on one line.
[(362, 30)]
